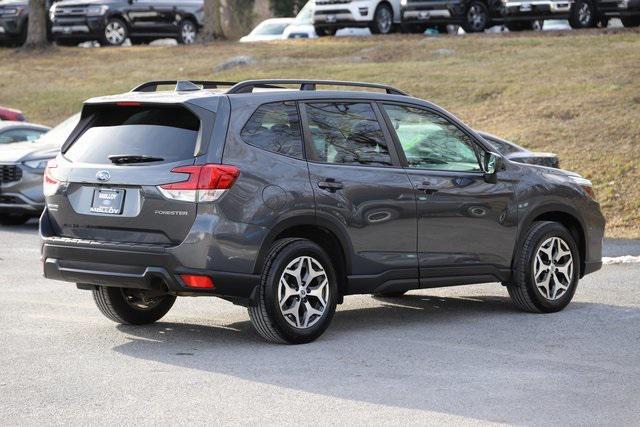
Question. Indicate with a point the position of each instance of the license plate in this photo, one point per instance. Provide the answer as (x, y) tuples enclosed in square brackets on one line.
[(331, 18), (526, 7), (107, 202)]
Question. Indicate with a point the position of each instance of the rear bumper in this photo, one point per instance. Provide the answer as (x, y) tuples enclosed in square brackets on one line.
[(140, 266)]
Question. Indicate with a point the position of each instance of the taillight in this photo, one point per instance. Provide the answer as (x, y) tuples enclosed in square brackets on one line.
[(206, 183), (50, 182), (197, 281)]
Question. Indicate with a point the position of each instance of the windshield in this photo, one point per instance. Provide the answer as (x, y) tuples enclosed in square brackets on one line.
[(59, 134), (270, 29)]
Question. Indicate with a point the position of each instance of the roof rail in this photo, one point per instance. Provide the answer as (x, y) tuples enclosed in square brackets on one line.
[(247, 86), (206, 84)]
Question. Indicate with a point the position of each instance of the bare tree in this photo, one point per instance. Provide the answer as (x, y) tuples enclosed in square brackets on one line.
[(212, 21), (37, 29), (261, 10)]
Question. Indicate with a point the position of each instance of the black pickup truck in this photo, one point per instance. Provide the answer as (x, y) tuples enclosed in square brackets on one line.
[(517, 15), (111, 22)]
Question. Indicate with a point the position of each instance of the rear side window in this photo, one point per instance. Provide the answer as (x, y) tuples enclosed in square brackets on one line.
[(275, 127), (347, 133), (167, 133)]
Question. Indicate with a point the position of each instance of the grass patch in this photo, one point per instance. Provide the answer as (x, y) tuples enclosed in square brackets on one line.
[(575, 94)]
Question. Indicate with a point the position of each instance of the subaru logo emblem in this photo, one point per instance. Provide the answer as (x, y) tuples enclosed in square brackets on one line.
[(103, 176)]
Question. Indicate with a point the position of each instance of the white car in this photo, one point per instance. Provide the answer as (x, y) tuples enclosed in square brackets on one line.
[(380, 16), (270, 29)]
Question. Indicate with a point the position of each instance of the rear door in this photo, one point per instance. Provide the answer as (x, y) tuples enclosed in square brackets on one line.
[(359, 186), (110, 175), (466, 226)]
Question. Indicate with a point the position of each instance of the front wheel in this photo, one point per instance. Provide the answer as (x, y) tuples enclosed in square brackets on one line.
[(132, 306), (382, 20), (547, 269), (187, 32), (476, 19), (298, 293), (583, 15), (115, 32)]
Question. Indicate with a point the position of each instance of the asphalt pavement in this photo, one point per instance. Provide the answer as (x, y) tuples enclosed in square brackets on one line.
[(459, 355)]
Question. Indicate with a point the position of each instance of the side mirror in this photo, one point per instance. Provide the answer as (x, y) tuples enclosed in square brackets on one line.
[(492, 164)]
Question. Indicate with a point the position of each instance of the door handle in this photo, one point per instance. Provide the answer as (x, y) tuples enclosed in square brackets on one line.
[(331, 185), (426, 188)]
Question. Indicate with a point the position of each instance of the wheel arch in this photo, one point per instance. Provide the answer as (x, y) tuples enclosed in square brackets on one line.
[(564, 215), (322, 232)]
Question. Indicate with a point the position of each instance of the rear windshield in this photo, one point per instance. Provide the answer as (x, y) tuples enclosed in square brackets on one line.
[(165, 133)]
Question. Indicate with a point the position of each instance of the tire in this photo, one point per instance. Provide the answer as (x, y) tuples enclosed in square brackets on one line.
[(13, 219), (630, 21), (476, 18), (382, 20), (524, 292), (187, 32), (125, 306), (583, 15), (268, 316), (325, 31), (390, 294), (115, 32)]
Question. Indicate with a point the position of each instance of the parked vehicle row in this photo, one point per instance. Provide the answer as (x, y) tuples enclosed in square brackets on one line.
[(384, 16), (286, 201), (109, 22)]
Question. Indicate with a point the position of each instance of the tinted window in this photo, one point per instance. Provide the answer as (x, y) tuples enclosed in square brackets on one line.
[(167, 133), (347, 133), (430, 141), (17, 135), (275, 127)]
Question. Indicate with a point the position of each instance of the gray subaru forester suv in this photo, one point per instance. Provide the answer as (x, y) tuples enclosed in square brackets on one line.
[(285, 199)]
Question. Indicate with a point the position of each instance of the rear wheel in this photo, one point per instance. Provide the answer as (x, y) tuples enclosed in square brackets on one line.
[(476, 19), (115, 32), (14, 219), (132, 306), (546, 272), (187, 32), (583, 15), (382, 20), (630, 21), (297, 295)]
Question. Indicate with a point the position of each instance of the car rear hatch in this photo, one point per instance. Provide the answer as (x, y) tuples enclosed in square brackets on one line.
[(108, 183)]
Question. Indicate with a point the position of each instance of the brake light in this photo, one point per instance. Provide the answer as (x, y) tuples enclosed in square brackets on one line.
[(197, 281), (50, 182), (205, 183), (128, 104)]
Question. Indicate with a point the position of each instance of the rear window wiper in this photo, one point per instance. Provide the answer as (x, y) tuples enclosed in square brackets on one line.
[(120, 159)]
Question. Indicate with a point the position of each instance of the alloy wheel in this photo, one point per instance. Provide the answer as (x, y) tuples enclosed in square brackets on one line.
[(553, 268), (476, 17), (115, 33), (188, 33), (384, 20), (303, 292), (584, 14)]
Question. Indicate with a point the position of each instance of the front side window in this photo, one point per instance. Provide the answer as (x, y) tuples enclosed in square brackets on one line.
[(275, 127), (432, 142), (347, 133)]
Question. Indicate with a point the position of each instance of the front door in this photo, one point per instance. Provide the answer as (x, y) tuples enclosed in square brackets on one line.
[(360, 187), (466, 225)]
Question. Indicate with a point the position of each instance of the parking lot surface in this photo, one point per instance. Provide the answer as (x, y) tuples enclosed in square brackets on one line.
[(460, 355)]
